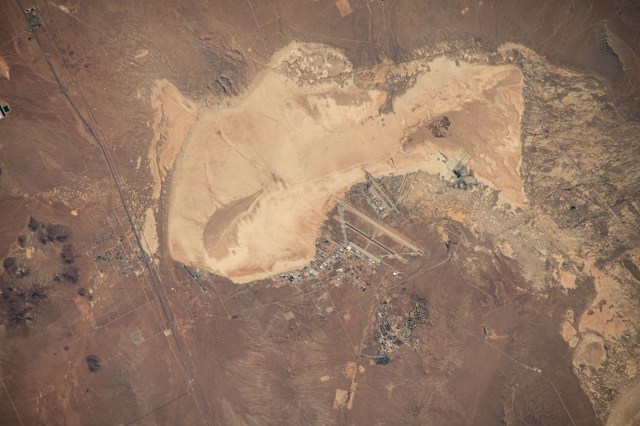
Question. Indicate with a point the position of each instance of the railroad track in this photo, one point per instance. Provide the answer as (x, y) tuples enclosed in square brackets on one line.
[(155, 278)]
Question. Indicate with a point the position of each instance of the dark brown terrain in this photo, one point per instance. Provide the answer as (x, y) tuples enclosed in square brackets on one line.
[(514, 315)]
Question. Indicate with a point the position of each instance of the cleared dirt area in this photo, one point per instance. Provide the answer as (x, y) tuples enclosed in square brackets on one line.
[(252, 185)]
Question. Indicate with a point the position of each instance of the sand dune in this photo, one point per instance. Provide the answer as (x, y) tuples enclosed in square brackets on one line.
[(252, 183)]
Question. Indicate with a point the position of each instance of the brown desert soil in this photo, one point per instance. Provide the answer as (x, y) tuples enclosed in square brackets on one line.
[(319, 212)]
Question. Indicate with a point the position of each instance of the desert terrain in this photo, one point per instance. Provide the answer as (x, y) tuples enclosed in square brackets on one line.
[(266, 221), (320, 212)]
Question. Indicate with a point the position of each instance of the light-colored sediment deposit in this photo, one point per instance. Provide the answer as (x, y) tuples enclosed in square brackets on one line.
[(173, 119), (149, 233), (4, 68), (253, 182)]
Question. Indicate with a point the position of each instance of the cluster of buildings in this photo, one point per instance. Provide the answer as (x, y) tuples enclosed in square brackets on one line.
[(4, 110)]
